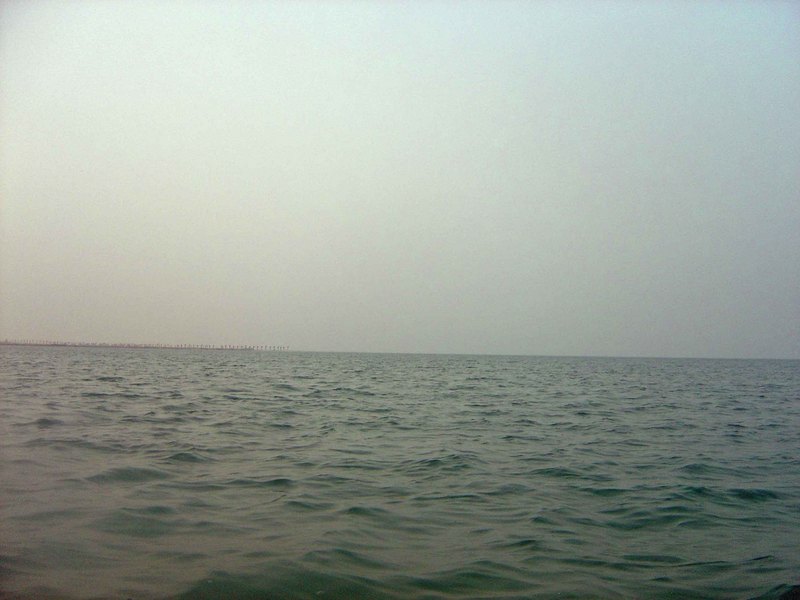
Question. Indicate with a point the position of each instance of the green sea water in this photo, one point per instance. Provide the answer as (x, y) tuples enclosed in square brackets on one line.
[(150, 474)]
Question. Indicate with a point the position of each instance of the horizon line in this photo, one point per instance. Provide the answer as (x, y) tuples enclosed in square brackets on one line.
[(286, 348), (145, 345)]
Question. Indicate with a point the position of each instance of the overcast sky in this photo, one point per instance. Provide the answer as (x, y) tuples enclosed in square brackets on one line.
[(583, 178)]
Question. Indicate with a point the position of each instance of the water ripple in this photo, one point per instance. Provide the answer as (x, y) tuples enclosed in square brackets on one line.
[(170, 474)]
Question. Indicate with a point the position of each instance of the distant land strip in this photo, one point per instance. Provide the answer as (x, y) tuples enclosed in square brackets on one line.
[(264, 348)]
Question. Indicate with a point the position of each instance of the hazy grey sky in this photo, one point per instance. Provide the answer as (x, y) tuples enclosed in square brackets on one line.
[(614, 178)]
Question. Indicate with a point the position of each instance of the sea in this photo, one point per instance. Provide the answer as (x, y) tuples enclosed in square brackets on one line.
[(152, 474)]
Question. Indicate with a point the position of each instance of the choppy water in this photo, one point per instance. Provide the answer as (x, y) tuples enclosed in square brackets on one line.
[(224, 474)]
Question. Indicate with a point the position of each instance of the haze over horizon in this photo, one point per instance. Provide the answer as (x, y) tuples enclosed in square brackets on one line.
[(555, 178)]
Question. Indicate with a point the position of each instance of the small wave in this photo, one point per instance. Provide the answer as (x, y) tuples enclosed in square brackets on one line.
[(127, 523), (154, 510), (288, 582), (306, 505), (478, 577), (286, 387), (701, 491), (152, 418), (653, 558), (781, 592), (358, 466), (725, 497), (523, 544), (128, 475), (128, 395), (604, 492), (709, 470), (698, 523), (187, 457), (558, 472), (329, 480), (541, 520), (526, 439), (461, 497), (355, 451), (645, 520), (367, 511), (354, 392), (341, 556), (509, 489), (754, 495), (71, 443), (277, 482), (96, 395), (447, 463)]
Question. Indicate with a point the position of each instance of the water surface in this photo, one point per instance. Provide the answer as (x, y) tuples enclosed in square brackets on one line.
[(133, 473)]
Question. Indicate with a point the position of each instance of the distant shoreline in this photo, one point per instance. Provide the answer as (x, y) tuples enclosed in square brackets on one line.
[(282, 348), (259, 348)]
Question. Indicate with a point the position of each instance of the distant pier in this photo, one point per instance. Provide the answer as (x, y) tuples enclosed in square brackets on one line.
[(259, 348)]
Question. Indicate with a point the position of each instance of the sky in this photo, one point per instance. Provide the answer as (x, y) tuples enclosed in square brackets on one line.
[(560, 178)]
